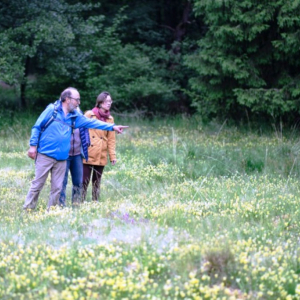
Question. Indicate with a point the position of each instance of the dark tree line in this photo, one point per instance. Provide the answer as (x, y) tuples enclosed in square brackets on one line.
[(220, 58)]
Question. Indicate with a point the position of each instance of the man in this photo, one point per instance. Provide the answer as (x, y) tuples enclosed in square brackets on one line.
[(51, 147)]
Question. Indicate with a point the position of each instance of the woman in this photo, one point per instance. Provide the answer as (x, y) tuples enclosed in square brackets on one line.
[(102, 143)]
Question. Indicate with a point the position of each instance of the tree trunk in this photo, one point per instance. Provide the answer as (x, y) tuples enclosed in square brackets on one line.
[(22, 92), (24, 84), (180, 29)]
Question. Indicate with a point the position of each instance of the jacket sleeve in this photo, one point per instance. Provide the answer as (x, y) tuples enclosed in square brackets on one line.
[(83, 121), (111, 145), (39, 124)]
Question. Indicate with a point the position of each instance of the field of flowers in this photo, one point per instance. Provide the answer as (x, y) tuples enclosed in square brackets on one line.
[(188, 212)]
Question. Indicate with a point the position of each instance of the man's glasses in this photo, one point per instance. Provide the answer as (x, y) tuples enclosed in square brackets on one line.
[(107, 102), (76, 99)]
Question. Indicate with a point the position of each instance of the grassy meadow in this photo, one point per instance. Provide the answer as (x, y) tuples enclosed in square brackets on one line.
[(190, 211)]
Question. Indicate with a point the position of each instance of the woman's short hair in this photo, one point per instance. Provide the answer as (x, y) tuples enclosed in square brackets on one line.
[(101, 98)]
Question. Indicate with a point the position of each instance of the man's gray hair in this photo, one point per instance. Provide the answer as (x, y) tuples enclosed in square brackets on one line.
[(67, 93)]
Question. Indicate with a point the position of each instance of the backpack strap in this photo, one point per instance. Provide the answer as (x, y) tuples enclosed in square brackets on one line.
[(62, 122), (52, 118)]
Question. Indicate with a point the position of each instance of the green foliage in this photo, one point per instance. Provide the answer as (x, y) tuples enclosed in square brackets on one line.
[(40, 37), (32, 29), (11, 67), (247, 58), (221, 58), (47, 46), (135, 75), (131, 74)]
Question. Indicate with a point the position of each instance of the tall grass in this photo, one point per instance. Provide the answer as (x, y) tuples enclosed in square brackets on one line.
[(189, 212)]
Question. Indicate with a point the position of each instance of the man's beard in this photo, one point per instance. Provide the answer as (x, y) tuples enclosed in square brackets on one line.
[(72, 108)]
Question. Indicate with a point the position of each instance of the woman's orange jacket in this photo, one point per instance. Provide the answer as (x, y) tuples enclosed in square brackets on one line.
[(103, 143)]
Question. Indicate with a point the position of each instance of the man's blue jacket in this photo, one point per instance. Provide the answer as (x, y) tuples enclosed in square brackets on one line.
[(55, 140)]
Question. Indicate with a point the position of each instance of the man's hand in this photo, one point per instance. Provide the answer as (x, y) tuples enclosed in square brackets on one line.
[(32, 152), (119, 128), (113, 162)]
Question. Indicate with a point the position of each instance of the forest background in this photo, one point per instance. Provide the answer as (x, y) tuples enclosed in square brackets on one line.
[(221, 59)]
